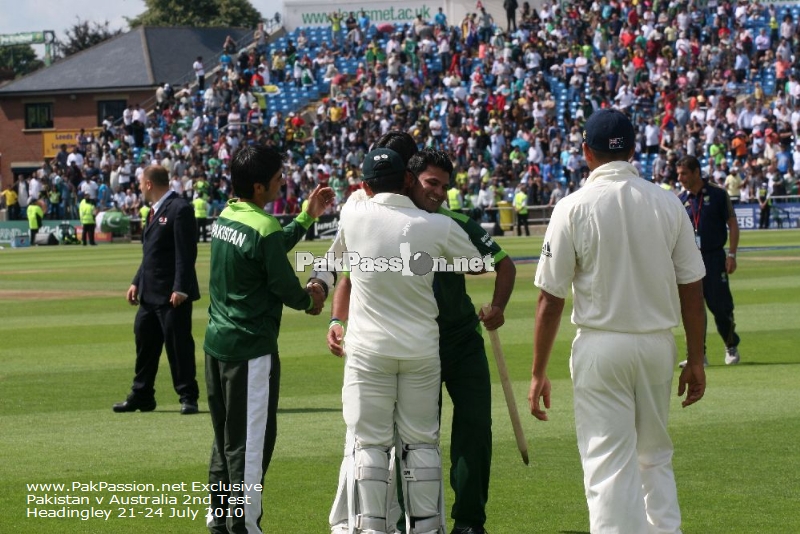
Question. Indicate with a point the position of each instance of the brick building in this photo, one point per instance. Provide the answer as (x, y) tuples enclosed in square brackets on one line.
[(79, 91)]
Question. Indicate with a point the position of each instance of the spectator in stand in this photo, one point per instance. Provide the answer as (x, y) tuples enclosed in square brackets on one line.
[(200, 73), (508, 81), (11, 199)]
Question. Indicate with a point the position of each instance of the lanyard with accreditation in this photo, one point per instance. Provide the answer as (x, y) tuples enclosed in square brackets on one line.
[(694, 215)]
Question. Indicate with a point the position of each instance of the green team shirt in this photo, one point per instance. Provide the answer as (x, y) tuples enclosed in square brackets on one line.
[(457, 316), (251, 280)]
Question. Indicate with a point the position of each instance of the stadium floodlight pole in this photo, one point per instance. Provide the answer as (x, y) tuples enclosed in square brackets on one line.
[(516, 423)]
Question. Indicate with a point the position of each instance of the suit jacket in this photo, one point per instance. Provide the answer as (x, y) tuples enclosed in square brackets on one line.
[(169, 242)]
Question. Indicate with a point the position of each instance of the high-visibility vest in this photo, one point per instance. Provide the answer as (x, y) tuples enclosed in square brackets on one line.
[(200, 208), (454, 199), (521, 203), (86, 212), (35, 215)]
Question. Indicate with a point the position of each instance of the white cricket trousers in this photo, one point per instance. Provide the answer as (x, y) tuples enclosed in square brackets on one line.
[(380, 392), (622, 386)]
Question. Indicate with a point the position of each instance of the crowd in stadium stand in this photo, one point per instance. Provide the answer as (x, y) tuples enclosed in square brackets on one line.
[(720, 81)]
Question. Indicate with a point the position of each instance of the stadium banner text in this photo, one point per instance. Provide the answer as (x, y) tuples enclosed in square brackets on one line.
[(298, 14), (52, 140), (325, 227), (783, 215)]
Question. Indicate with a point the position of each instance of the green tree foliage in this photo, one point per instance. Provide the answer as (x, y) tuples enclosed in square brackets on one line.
[(18, 60), (83, 35), (237, 13), (198, 13)]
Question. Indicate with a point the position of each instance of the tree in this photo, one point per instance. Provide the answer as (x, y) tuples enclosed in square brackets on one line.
[(237, 13), (83, 35), (18, 60), (198, 13)]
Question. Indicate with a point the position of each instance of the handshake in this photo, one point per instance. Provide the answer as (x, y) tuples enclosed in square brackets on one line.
[(318, 286)]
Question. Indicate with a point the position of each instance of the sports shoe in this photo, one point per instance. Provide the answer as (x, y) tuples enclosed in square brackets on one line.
[(731, 355), (705, 362)]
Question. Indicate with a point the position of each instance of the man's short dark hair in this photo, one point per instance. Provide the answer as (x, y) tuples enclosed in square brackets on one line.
[(690, 162), (399, 141), (253, 164), (429, 157)]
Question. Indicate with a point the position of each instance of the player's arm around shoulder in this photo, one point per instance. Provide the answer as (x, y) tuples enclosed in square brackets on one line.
[(457, 243), (502, 265)]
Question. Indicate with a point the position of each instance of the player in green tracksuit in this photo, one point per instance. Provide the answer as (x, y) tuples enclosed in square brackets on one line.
[(465, 374), (251, 280), (465, 369)]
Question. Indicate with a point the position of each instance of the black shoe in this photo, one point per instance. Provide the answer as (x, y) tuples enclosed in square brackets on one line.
[(468, 530), (131, 405), (189, 408)]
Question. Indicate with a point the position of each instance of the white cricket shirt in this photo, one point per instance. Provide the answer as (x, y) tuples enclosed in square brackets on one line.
[(623, 244), (392, 314)]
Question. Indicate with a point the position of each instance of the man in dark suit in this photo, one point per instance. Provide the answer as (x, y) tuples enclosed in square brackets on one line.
[(164, 288)]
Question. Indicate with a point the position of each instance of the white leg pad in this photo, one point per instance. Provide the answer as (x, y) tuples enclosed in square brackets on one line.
[(395, 512), (367, 483), (421, 477)]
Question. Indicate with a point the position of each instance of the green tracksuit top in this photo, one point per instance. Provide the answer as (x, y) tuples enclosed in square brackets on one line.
[(457, 315), (251, 280)]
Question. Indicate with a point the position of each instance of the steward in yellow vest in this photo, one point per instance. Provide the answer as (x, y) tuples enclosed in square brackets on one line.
[(201, 214), (35, 217), (86, 214), (521, 208)]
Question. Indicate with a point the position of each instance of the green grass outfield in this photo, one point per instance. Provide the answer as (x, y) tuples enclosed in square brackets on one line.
[(67, 353)]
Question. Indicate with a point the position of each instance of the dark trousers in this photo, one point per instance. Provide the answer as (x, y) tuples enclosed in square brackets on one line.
[(763, 218), (158, 327), (33, 235), (14, 212), (511, 20), (202, 229), (88, 232), (465, 373), (243, 401), (717, 293), (522, 220)]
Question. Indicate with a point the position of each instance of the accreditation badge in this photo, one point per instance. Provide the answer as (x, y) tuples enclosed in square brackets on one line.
[(697, 241)]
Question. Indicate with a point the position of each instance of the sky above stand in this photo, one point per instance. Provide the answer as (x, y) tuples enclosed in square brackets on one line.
[(20, 16)]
